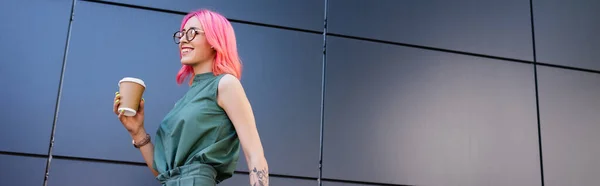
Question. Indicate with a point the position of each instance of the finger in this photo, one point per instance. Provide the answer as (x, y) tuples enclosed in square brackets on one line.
[(116, 106), (116, 102), (141, 108), (121, 115)]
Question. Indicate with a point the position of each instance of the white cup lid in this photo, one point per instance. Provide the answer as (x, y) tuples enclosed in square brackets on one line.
[(132, 79), (128, 111)]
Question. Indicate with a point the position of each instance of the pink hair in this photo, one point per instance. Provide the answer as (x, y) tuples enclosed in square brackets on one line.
[(220, 35)]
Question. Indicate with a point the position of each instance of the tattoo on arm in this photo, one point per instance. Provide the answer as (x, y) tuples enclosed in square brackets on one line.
[(261, 177)]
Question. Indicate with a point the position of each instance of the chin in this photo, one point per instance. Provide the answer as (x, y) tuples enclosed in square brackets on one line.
[(187, 62)]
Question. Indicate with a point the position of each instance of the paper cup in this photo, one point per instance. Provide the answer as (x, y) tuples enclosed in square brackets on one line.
[(131, 90)]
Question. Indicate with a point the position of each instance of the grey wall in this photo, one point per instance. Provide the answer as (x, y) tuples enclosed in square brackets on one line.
[(469, 93)]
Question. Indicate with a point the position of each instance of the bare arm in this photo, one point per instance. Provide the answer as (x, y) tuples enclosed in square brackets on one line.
[(146, 150), (233, 100), (135, 127)]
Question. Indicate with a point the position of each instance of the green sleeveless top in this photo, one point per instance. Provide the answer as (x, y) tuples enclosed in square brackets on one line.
[(197, 131)]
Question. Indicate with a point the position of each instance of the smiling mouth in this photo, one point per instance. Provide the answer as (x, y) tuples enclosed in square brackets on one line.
[(186, 50)]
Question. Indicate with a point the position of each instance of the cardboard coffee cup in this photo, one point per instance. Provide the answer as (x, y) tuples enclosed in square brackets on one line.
[(131, 91)]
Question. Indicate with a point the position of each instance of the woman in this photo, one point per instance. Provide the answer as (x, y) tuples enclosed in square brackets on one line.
[(198, 141)]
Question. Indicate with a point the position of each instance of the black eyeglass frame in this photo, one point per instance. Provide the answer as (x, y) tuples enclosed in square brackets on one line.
[(192, 32)]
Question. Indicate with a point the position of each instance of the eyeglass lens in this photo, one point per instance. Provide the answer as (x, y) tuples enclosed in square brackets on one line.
[(189, 35)]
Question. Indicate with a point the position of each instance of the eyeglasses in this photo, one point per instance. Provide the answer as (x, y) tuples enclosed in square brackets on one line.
[(189, 34)]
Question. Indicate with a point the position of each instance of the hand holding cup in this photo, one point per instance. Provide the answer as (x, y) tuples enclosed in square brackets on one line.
[(129, 104)]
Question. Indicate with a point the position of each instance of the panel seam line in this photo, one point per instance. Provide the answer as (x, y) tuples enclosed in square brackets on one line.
[(59, 94)]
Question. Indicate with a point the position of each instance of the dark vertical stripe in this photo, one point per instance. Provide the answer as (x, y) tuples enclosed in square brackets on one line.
[(59, 94), (537, 100), (323, 70)]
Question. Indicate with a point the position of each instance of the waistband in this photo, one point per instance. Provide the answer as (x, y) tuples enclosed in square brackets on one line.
[(196, 169)]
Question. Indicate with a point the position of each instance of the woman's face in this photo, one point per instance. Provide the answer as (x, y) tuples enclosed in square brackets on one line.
[(196, 50)]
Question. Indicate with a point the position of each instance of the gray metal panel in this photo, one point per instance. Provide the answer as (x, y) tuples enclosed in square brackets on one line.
[(107, 44), (243, 179), (22, 170), (491, 27), (76, 173), (567, 33), (282, 78), (304, 14), (410, 116), (569, 118), (31, 50)]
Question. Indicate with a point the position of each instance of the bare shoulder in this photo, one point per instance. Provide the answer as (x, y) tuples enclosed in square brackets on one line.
[(229, 82), (230, 91)]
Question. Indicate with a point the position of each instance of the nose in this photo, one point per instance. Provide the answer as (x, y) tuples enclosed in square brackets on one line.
[(182, 38)]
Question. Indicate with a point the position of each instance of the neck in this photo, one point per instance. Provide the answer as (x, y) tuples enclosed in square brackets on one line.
[(203, 67)]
